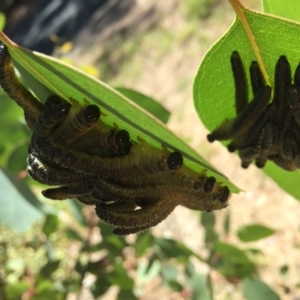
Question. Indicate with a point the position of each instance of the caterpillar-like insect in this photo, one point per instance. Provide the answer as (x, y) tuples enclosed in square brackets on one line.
[(152, 213), (263, 129), (16, 90), (133, 185)]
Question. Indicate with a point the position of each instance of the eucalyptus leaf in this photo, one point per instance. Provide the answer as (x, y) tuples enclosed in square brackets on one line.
[(233, 262), (254, 232), (19, 207), (255, 289), (51, 224), (46, 76), (267, 37)]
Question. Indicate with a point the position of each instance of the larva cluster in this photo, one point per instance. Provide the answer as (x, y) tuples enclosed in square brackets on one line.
[(264, 129), (133, 185)]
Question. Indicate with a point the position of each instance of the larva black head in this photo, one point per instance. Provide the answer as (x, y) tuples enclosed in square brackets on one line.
[(209, 185), (210, 138), (124, 150), (224, 196), (122, 138), (260, 165), (53, 100), (91, 113), (175, 161), (231, 148)]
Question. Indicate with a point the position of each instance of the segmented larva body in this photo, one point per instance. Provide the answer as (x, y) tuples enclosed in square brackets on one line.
[(133, 185), (16, 90), (52, 175), (79, 121)]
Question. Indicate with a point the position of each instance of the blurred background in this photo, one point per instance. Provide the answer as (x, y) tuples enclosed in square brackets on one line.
[(60, 250)]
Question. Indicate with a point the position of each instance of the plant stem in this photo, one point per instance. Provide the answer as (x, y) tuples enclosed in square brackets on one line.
[(239, 9)]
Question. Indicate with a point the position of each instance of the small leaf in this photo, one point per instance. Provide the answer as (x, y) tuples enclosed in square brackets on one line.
[(51, 224), (100, 286), (15, 291), (174, 249), (73, 235), (226, 224), (49, 268), (44, 290), (284, 270), (126, 294), (175, 285), (17, 159), (233, 261), (254, 232), (148, 270), (169, 273), (208, 219), (120, 277), (255, 289), (143, 242), (76, 211), (200, 288), (19, 207)]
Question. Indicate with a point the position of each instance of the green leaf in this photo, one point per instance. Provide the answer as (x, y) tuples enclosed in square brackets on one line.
[(148, 270), (73, 235), (255, 289), (279, 8), (17, 159), (175, 249), (169, 273), (143, 242), (19, 207), (200, 288), (208, 219), (46, 76), (120, 277), (100, 286), (49, 268), (233, 261), (51, 224), (147, 103), (76, 211), (269, 38), (15, 291), (2, 20), (12, 129), (175, 285), (226, 223), (126, 294), (254, 232), (45, 290)]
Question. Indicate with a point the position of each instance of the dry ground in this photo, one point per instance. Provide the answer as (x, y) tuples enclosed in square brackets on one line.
[(164, 69)]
